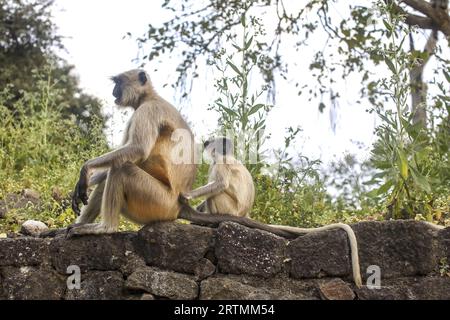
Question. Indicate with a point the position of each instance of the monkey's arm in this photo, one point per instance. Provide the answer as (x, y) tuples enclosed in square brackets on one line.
[(208, 190), (131, 152), (117, 157), (221, 181), (143, 134), (98, 178)]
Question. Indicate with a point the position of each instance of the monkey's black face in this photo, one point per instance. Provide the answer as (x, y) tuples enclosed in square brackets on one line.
[(117, 91)]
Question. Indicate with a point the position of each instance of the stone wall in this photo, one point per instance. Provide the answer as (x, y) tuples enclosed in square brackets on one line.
[(181, 261)]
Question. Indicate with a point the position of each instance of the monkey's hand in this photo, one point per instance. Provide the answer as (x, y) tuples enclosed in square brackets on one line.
[(80, 192), (184, 198)]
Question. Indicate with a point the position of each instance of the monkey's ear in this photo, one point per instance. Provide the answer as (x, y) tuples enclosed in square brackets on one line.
[(142, 77)]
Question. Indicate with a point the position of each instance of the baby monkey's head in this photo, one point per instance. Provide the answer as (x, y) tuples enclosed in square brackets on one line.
[(219, 146)]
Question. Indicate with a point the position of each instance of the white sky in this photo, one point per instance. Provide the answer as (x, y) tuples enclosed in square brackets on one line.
[(95, 44)]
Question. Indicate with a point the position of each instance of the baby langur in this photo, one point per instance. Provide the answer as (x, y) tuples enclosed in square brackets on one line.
[(230, 194), (230, 186)]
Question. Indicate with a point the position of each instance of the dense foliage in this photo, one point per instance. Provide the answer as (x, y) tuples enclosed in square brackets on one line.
[(48, 126), (41, 149)]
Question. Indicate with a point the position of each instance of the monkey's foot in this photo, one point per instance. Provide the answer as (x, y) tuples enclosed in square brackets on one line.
[(89, 228)]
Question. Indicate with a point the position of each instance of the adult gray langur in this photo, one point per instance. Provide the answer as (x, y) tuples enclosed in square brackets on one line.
[(139, 180)]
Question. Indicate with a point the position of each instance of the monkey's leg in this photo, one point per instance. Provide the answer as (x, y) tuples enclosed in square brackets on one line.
[(111, 202), (88, 213), (92, 209), (145, 198)]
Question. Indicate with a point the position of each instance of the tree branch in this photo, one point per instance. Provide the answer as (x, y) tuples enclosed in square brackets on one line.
[(439, 17), (421, 6), (421, 22), (411, 19)]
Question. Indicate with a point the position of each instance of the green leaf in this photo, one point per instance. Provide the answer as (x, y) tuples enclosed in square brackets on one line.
[(382, 190), (420, 180), (236, 47), (255, 108), (402, 164), (375, 178), (401, 43), (371, 182), (385, 118), (243, 20), (248, 43), (447, 75), (231, 64), (244, 88), (230, 112), (233, 100), (387, 25), (390, 65), (404, 122)]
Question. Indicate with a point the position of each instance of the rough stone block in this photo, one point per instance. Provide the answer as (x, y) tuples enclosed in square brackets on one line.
[(175, 246), (162, 283), (335, 289), (23, 251), (92, 252), (399, 248), (413, 288), (98, 285), (204, 269), (241, 250), (240, 287), (223, 288), (444, 244), (30, 283), (325, 253)]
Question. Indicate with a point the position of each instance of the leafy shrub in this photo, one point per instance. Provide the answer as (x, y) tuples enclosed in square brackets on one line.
[(411, 159), (42, 149)]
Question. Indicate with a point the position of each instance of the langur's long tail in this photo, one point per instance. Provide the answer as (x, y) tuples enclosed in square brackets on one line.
[(189, 213), (351, 237)]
